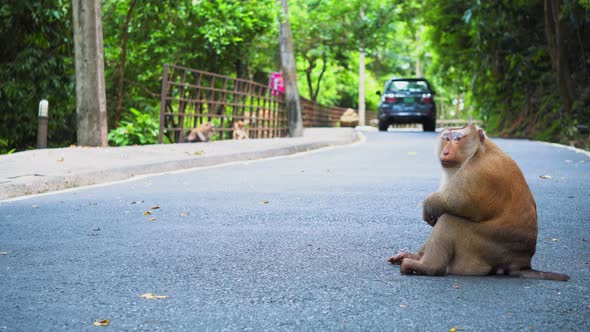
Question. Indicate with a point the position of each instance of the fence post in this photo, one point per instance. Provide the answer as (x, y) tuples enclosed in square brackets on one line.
[(163, 101), (42, 125)]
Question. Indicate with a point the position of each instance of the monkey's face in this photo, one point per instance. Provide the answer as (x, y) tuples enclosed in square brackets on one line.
[(457, 145)]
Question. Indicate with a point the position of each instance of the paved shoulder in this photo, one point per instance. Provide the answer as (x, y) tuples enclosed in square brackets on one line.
[(39, 171)]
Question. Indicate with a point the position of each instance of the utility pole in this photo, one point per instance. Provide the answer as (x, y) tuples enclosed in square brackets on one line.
[(362, 88), (293, 104), (91, 113), (363, 18)]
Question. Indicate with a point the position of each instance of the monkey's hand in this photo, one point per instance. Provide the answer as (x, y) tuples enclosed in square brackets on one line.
[(432, 209), (397, 259)]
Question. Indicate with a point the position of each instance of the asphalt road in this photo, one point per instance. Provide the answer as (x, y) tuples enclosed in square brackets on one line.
[(293, 243)]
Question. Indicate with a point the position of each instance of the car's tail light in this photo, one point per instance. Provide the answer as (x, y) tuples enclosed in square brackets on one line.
[(427, 98), (389, 98)]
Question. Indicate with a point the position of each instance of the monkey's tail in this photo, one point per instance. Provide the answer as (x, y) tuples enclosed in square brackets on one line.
[(534, 274)]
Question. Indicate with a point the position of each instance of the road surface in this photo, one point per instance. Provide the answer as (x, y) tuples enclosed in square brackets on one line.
[(291, 243)]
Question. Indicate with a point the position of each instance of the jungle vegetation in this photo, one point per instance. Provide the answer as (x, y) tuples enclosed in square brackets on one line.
[(521, 66)]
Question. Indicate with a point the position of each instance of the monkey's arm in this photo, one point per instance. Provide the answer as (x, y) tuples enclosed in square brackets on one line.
[(472, 206), (433, 208), (202, 137), (397, 259)]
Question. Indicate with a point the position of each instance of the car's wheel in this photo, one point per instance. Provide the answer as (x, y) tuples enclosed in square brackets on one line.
[(383, 126), (429, 125)]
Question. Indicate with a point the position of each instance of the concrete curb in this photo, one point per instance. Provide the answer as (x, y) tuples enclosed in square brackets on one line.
[(567, 147), (43, 184)]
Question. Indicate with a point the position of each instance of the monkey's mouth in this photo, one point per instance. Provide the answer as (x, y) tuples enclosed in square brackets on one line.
[(449, 163)]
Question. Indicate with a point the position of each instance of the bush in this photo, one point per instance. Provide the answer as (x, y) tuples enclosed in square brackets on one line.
[(140, 130)]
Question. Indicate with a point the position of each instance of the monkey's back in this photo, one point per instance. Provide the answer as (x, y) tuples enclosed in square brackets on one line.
[(513, 226)]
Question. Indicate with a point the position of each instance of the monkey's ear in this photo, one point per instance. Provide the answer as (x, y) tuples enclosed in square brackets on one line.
[(482, 135)]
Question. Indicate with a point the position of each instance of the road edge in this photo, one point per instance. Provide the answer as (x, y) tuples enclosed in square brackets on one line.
[(51, 184)]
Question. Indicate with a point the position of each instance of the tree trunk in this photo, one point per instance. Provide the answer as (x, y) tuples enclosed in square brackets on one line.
[(121, 71), (317, 87), (308, 71), (292, 102), (91, 113), (556, 45)]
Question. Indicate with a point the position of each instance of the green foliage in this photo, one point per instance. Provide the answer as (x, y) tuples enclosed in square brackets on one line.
[(36, 63), (4, 147), (497, 56), (493, 54), (325, 46), (216, 36), (138, 129)]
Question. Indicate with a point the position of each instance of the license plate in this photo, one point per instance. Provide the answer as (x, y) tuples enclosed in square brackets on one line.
[(409, 100)]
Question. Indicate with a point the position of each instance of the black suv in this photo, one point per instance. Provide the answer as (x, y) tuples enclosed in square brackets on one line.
[(407, 100)]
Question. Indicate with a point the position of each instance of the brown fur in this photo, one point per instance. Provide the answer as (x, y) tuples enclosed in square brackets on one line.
[(201, 133), (484, 216), (240, 130)]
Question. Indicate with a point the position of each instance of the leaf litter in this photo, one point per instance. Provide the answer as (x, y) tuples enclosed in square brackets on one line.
[(150, 296), (104, 322)]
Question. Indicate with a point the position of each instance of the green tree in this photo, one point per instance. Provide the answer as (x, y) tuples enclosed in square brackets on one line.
[(327, 33), (217, 36), (522, 65), (36, 62)]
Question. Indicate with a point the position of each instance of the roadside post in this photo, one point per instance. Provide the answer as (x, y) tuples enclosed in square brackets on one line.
[(42, 125)]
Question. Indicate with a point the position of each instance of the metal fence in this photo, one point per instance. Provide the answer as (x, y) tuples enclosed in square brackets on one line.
[(316, 115), (192, 97)]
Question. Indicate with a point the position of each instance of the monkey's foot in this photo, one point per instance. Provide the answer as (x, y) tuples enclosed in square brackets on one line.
[(406, 270), (397, 259)]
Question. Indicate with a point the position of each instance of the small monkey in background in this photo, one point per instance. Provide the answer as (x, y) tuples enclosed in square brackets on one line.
[(240, 130), (202, 133), (484, 216)]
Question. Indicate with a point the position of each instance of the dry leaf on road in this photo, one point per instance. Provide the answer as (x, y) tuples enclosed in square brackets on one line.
[(103, 322), (546, 177), (150, 296)]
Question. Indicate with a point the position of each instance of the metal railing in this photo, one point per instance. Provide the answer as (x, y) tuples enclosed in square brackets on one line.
[(317, 115), (192, 97)]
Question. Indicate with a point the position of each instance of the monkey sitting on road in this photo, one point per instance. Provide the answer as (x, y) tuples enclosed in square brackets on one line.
[(201, 133), (484, 216), (240, 130)]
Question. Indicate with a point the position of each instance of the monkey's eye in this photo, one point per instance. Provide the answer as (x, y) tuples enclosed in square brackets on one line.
[(457, 136), (445, 137)]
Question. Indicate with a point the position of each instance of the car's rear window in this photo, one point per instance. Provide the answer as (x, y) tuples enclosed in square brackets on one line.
[(408, 86)]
